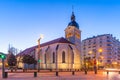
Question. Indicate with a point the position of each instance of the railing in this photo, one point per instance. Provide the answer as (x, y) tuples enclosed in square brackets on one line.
[(112, 70)]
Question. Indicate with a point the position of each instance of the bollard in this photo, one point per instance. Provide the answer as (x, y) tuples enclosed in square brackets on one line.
[(56, 73), (107, 72), (5, 74), (11, 70), (23, 70), (35, 74), (50, 70), (38, 70), (85, 71), (73, 72), (95, 71)]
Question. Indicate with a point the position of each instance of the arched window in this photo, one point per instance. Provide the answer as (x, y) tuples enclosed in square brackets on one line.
[(63, 57), (53, 57), (45, 58)]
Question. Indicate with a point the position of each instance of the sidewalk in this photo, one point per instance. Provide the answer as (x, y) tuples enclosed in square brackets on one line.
[(63, 76)]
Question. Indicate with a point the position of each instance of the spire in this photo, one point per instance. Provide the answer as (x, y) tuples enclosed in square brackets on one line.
[(72, 16), (73, 22)]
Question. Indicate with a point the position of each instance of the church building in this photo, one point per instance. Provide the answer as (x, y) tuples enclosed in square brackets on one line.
[(61, 53)]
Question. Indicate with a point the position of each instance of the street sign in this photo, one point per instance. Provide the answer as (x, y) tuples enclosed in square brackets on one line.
[(39, 60), (2, 56)]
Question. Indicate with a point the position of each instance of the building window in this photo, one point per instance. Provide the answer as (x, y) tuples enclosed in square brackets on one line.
[(89, 44), (108, 40), (108, 61), (84, 48), (84, 42), (100, 45), (101, 39), (53, 57), (94, 46), (101, 53), (45, 58), (94, 42), (89, 47), (108, 37), (89, 40), (101, 42), (63, 57), (108, 44)]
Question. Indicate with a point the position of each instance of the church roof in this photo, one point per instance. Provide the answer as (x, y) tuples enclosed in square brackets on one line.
[(73, 22), (58, 40)]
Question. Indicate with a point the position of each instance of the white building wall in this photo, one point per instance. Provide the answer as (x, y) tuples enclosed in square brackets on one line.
[(107, 43), (68, 57)]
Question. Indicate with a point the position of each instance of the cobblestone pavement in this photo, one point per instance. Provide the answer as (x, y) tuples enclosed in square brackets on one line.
[(63, 76)]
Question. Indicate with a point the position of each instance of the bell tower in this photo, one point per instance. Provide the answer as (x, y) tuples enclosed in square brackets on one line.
[(72, 32)]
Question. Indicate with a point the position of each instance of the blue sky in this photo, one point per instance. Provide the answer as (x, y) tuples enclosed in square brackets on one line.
[(22, 21)]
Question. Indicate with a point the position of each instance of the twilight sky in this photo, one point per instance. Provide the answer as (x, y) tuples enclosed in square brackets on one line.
[(22, 21)]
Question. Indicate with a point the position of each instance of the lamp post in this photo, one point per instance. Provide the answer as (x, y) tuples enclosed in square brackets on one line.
[(3, 57), (101, 62), (85, 69), (89, 59), (95, 67), (41, 36), (100, 51), (95, 61)]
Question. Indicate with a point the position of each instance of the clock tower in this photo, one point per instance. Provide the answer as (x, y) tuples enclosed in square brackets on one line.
[(72, 32)]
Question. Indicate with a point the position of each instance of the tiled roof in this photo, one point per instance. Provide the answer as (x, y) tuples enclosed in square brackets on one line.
[(58, 40), (26, 51)]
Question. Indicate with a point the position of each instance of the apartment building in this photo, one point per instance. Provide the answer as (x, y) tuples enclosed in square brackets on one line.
[(105, 49)]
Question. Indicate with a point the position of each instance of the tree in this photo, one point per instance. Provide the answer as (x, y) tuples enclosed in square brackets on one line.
[(11, 59), (29, 59)]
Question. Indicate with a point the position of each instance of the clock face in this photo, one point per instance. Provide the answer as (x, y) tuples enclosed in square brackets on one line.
[(69, 35), (72, 32)]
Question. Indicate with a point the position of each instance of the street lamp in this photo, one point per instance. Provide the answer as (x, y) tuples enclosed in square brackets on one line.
[(102, 58), (95, 61), (100, 51), (89, 59), (85, 69), (85, 60), (95, 68), (41, 37)]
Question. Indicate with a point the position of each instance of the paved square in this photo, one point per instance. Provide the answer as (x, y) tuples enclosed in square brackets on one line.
[(63, 76)]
